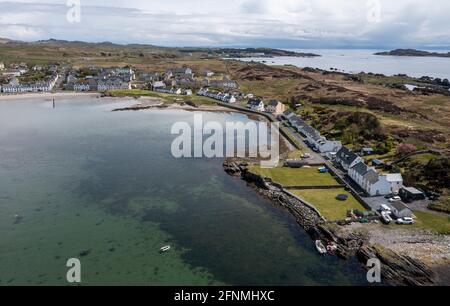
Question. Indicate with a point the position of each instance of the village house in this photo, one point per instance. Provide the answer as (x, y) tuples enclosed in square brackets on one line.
[(347, 159), (411, 194), (148, 77), (225, 83), (179, 72), (395, 181), (376, 185), (224, 97), (116, 84), (12, 73), (158, 85), (44, 85), (373, 183), (400, 210), (275, 107), (313, 137), (367, 151), (256, 105), (2, 66), (288, 115)]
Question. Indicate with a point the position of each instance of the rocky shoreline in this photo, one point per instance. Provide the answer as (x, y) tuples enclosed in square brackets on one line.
[(396, 269)]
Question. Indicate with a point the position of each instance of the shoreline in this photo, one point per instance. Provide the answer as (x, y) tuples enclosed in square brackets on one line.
[(46, 95), (400, 264)]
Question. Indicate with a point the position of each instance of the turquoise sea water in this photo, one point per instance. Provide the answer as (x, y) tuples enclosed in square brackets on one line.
[(87, 181)]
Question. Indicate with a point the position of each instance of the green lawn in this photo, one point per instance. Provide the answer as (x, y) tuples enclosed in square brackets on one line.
[(302, 177), (435, 222), (325, 201)]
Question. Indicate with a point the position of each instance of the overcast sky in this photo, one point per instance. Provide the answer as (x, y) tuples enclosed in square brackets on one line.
[(273, 23)]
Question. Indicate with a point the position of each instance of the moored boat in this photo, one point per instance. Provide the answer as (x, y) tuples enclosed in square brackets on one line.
[(165, 248), (321, 247)]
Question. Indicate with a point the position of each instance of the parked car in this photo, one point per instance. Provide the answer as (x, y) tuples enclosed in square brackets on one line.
[(386, 217), (306, 155), (405, 221), (395, 199), (385, 208)]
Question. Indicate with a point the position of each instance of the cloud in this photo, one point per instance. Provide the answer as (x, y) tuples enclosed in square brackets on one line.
[(287, 23)]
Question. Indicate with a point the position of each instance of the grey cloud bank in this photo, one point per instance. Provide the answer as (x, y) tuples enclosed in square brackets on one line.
[(271, 23)]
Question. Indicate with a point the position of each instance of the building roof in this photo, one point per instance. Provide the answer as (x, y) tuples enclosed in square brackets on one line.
[(372, 176), (361, 168), (347, 156), (399, 206), (395, 177), (254, 102), (274, 103), (412, 190)]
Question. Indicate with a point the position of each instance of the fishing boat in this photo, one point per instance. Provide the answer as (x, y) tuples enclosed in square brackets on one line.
[(321, 247), (165, 249)]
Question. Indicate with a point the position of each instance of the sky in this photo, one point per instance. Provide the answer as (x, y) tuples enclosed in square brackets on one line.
[(238, 23)]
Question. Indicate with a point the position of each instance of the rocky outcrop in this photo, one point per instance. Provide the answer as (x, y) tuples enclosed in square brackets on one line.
[(398, 269)]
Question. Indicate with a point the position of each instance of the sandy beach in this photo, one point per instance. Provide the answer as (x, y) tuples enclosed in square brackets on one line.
[(46, 95)]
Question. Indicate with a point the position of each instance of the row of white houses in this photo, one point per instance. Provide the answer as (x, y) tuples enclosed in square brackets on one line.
[(174, 91), (31, 87), (220, 96), (313, 137), (368, 178), (98, 85), (372, 182)]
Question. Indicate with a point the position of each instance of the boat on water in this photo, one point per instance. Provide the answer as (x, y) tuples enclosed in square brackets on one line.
[(321, 247), (165, 248)]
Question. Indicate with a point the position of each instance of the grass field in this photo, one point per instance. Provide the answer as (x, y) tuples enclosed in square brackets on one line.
[(325, 201), (302, 177), (435, 222)]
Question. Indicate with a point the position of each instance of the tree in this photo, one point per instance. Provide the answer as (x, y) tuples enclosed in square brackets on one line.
[(405, 149)]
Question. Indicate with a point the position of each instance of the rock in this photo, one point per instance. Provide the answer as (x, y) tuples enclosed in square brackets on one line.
[(398, 269)]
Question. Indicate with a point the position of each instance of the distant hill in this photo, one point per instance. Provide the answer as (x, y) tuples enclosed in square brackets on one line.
[(4, 40), (413, 52), (249, 52)]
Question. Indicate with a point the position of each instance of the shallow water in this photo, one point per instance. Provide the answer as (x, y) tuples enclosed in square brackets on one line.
[(87, 180)]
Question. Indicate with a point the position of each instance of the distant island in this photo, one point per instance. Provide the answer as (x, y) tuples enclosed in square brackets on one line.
[(250, 52), (413, 52)]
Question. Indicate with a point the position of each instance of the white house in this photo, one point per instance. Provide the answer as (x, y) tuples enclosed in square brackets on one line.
[(325, 146), (275, 107), (2, 66), (395, 181), (158, 85), (358, 172), (372, 182), (347, 158), (256, 105), (375, 184), (400, 210)]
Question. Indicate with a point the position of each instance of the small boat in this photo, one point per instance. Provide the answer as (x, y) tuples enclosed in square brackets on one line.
[(321, 247), (165, 248)]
